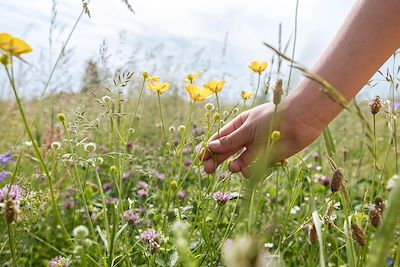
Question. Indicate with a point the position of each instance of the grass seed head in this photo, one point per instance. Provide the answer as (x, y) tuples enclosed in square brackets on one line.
[(277, 92), (358, 235), (337, 180), (375, 105)]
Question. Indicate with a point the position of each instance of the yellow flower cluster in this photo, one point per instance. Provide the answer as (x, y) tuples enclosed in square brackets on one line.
[(258, 67), (12, 46), (154, 84), (199, 94)]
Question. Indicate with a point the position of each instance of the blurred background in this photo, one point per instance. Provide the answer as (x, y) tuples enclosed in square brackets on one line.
[(167, 38)]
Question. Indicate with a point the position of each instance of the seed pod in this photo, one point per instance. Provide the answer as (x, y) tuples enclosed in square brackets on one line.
[(10, 211), (379, 204), (312, 234), (337, 180), (375, 217), (375, 105), (358, 235), (277, 92)]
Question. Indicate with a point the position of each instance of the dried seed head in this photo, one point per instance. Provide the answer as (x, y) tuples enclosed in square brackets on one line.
[(379, 204), (337, 180), (312, 234), (11, 211), (375, 105), (277, 92), (358, 235), (375, 217)]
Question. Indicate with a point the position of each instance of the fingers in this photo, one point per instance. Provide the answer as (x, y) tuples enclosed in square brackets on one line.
[(228, 131), (211, 164), (242, 161)]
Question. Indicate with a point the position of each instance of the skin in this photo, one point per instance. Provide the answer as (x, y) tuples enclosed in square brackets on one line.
[(368, 37)]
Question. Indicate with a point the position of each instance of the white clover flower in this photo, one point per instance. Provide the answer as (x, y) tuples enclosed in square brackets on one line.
[(295, 210), (181, 128), (80, 232), (55, 145), (89, 147), (28, 143)]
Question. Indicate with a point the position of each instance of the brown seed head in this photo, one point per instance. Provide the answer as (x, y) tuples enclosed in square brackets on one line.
[(10, 211), (277, 92), (337, 180), (375, 217), (375, 105), (312, 234), (358, 235), (379, 204)]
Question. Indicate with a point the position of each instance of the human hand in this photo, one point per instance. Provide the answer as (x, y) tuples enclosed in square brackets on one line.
[(247, 133)]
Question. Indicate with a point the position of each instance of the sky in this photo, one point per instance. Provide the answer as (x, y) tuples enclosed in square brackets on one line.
[(171, 38)]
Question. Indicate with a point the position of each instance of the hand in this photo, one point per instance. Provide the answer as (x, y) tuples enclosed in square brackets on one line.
[(247, 133)]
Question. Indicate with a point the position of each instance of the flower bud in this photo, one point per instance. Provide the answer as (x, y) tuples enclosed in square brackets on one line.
[(173, 185), (217, 116), (275, 135), (113, 169), (61, 117), (209, 107)]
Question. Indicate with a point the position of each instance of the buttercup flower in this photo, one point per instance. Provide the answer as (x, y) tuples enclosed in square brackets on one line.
[(148, 77), (215, 86), (196, 93), (246, 95), (158, 87), (13, 46), (257, 66), (190, 78)]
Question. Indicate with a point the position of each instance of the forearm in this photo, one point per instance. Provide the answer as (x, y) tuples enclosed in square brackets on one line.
[(370, 34)]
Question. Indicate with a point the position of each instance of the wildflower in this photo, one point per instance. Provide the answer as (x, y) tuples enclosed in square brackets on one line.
[(209, 107), (190, 78), (4, 175), (358, 235), (129, 146), (112, 200), (107, 187), (337, 180), (246, 95), (198, 131), (215, 86), (222, 176), (188, 163), (173, 185), (142, 185), (391, 183), (225, 113), (10, 198), (277, 92), (61, 117), (171, 129), (222, 198), (58, 262), (235, 111), (181, 195), (294, 210), (258, 67), (160, 176), (80, 232), (142, 193), (181, 128), (216, 116), (93, 216), (90, 147), (125, 175), (375, 105), (131, 217), (196, 93), (148, 77), (158, 87), (275, 135), (4, 158), (13, 46), (113, 169), (106, 99), (151, 238), (55, 145), (68, 204), (14, 193), (325, 181)]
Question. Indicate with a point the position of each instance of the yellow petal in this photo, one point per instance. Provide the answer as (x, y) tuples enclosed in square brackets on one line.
[(19, 47), (258, 67), (196, 93), (193, 76), (215, 86)]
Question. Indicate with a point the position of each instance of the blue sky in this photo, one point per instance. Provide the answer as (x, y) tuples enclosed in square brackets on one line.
[(169, 37)]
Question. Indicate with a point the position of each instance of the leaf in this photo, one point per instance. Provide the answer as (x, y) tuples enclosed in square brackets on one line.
[(317, 224), (330, 145), (105, 242)]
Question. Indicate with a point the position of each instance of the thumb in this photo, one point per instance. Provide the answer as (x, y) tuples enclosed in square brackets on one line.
[(232, 142)]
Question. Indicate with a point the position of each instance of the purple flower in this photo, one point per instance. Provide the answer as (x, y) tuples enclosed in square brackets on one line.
[(315, 156), (152, 239), (112, 200), (14, 194), (181, 195), (4, 158), (131, 217), (222, 198), (198, 131), (58, 262), (68, 204), (142, 185), (186, 150), (222, 176), (325, 181), (107, 187), (188, 163), (142, 193), (396, 105), (129, 146), (93, 216), (4, 175), (160, 176), (126, 175)]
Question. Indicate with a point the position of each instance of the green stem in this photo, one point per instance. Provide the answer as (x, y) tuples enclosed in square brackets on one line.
[(258, 86), (161, 117), (40, 158), (131, 123)]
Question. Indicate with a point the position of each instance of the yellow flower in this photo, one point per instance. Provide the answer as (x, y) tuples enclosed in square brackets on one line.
[(147, 76), (157, 87), (246, 95), (190, 78), (13, 46), (215, 86), (258, 66), (196, 93)]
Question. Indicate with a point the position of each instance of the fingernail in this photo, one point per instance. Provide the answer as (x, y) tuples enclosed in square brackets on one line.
[(214, 144)]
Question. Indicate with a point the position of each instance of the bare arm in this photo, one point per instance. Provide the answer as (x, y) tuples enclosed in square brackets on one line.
[(367, 38)]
